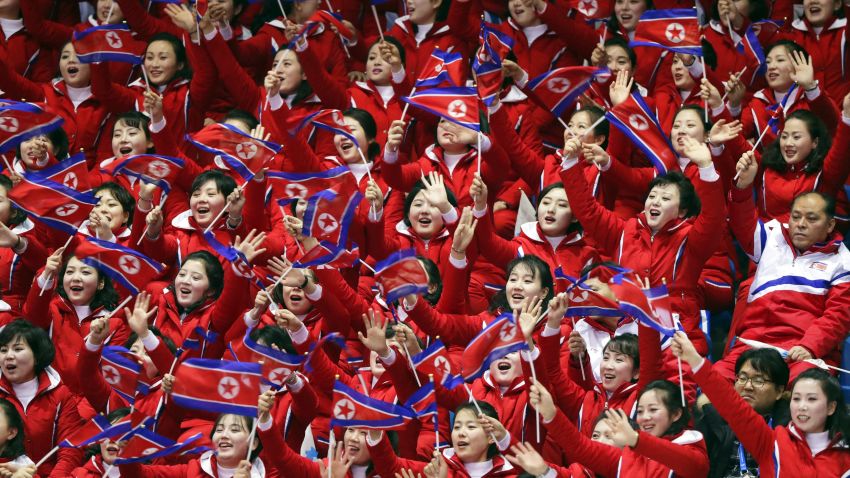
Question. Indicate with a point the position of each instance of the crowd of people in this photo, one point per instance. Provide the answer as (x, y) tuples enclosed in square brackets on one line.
[(541, 219)]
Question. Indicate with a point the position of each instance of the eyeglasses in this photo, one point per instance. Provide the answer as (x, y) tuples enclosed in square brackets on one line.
[(757, 382)]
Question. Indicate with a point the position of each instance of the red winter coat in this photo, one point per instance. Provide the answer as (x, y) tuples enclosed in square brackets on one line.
[(829, 53), (202, 467), (27, 57), (417, 53), (755, 115), (49, 418), (17, 271)]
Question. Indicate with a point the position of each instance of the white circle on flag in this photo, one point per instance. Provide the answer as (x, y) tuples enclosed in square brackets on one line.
[(295, 191), (228, 387), (588, 7), (9, 125), (246, 150), (114, 40), (70, 180), (438, 67), (440, 363), (327, 223), (110, 374), (457, 109), (675, 32), (558, 85), (278, 375), (344, 409), (639, 122), (337, 117), (159, 169), (148, 451), (578, 297), (129, 264), (508, 331), (66, 210)]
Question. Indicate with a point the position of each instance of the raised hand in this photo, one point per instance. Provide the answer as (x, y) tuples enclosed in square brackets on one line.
[(622, 432), (710, 94), (598, 57), (437, 468), (405, 336), (557, 308), (464, 233), (407, 473), (526, 457), (340, 462), (514, 72), (395, 135), (235, 203), (272, 82), (153, 104), (153, 221), (250, 246), (576, 344), (571, 148), (747, 168), (541, 400), (141, 315), (99, 330), (244, 470), (294, 276), (375, 196), (683, 348), (391, 55), (181, 16), (7, 237), (735, 90), (287, 320), (799, 353), (621, 87), (478, 192), (723, 131), (845, 106), (54, 263), (593, 153), (526, 318), (435, 192), (492, 427), (696, 151), (264, 405), (376, 334), (803, 73)]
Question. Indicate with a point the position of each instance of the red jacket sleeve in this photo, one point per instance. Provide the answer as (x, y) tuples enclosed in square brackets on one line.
[(702, 241), (527, 163), (836, 166), (15, 85), (330, 90), (48, 33), (582, 36), (603, 225), (453, 329), (116, 98), (455, 290), (494, 248), (600, 458), (685, 460), (401, 176), (237, 82), (95, 389), (235, 297), (143, 23), (744, 221), (568, 396), (283, 457), (68, 422), (390, 463)]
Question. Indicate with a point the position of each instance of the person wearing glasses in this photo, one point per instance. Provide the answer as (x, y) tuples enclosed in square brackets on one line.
[(761, 376)]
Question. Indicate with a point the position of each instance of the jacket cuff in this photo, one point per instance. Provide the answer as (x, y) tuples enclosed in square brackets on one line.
[(708, 174)]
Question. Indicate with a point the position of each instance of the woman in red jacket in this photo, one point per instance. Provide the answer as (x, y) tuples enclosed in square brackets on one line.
[(650, 71), (48, 407), (112, 218), (103, 453), (12, 453), (82, 295), (812, 444), (662, 446), (39, 152)]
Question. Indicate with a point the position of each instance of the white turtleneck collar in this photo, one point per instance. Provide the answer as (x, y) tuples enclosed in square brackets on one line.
[(358, 471), (817, 441), (78, 95), (224, 472), (10, 27), (477, 470), (82, 311), (359, 169), (26, 391)]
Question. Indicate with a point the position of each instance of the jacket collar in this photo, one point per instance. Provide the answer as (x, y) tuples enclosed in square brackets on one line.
[(408, 231), (210, 466), (23, 227), (500, 465), (671, 226), (48, 380), (836, 442), (406, 25), (435, 153), (803, 24), (518, 384), (830, 246), (532, 231)]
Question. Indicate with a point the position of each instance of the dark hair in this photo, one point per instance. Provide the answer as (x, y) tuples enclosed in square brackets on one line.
[(224, 183), (111, 417), (601, 129), (700, 112), (394, 42), (688, 199), (274, 335), (773, 159), (179, 53), (614, 24), (124, 198), (574, 225), (766, 361), (14, 447), (829, 202), (668, 393), (419, 186), (622, 43), (759, 10), (277, 292), (154, 330), (304, 89), (58, 139), (539, 268), (790, 47), (135, 119), (16, 214), (487, 410), (626, 344), (434, 279), (839, 422), (39, 342), (243, 116), (106, 297), (248, 423), (367, 122), (215, 276)]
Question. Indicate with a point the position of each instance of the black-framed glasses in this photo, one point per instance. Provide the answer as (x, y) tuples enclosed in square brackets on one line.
[(758, 382)]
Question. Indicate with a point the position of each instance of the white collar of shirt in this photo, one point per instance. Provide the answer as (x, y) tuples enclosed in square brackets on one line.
[(26, 391), (535, 32), (226, 472), (477, 470), (452, 160), (422, 30), (386, 93), (359, 169), (10, 27), (817, 441), (78, 95), (555, 240), (83, 311), (358, 471)]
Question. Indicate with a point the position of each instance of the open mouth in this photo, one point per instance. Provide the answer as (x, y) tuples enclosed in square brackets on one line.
[(184, 291), (425, 221), (346, 146), (626, 16), (353, 449), (377, 71), (76, 289), (296, 299), (124, 150), (772, 76), (504, 366), (549, 219), (462, 444), (73, 70), (790, 152), (608, 376), (802, 418), (10, 368), (203, 210), (648, 427), (225, 446), (654, 213), (112, 449)]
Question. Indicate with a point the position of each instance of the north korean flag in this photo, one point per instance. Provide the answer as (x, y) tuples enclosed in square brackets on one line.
[(128, 267), (634, 118), (150, 168), (334, 19), (330, 120), (93, 431), (331, 255), (675, 30), (401, 274), (583, 300), (218, 386), (423, 402), (458, 105), (442, 68), (57, 206), (594, 9), (501, 337), (21, 121), (635, 302), (353, 409), (329, 214), (108, 43), (122, 372), (243, 154), (277, 365), (559, 89), (72, 173), (751, 48), (434, 360), (289, 187), (143, 445)]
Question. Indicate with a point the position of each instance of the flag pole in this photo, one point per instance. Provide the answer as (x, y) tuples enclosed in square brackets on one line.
[(365, 162), (220, 213), (377, 22), (282, 11), (147, 227), (479, 149), (404, 345), (406, 104), (111, 9), (47, 456), (737, 76), (49, 278), (341, 38), (536, 412), (119, 306), (580, 355), (477, 407), (704, 76)]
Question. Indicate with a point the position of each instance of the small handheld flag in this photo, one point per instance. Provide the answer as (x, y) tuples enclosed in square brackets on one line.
[(401, 274), (353, 409), (126, 266), (218, 386), (108, 43), (458, 105), (676, 30), (501, 337)]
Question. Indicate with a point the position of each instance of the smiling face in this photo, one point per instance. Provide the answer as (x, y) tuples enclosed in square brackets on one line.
[(111, 209), (809, 223), (505, 370), (129, 140), (687, 124), (795, 141), (290, 69), (580, 122), (425, 218), (104, 7), (469, 440), (681, 76), (763, 397), (346, 149), (74, 73), (206, 202), (554, 214), (779, 68), (653, 417), (18, 361), (161, 62), (617, 59), (602, 433), (628, 12), (191, 284), (36, 152), (355, 446), (80, 282), (378, 71), (230, 438), (109, 450), (819, 12), (295, 300), (616, 369), (662, 206), (523, 13), (523, 283), (809, 406)]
